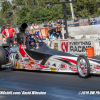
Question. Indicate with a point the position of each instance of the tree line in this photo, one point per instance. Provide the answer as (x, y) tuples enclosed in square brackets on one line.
[(36, 11)]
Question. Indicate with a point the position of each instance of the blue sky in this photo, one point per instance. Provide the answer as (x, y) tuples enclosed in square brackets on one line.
[(10, 0)]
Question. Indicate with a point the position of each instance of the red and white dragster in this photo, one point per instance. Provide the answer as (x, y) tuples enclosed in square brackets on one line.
[(41, 57), (33, 54)]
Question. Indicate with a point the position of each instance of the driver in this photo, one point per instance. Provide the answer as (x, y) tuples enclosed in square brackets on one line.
[(32, 43)]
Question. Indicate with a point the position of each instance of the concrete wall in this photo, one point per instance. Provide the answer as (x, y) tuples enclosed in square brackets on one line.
[(87, 30)]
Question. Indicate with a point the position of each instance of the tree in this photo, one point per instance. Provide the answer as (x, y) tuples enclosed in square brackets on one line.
[(6, 11), (85, 8), (1, 22), (32, 11)]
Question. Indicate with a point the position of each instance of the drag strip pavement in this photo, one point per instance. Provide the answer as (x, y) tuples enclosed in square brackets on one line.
[(57, 86)]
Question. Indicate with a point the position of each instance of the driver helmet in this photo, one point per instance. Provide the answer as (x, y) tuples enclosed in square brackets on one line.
[(32, 40)]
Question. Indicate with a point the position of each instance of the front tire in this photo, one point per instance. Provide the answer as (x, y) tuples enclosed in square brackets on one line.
[(83, 66)]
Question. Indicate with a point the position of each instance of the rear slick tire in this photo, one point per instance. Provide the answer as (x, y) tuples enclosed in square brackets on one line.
[(2, 57)]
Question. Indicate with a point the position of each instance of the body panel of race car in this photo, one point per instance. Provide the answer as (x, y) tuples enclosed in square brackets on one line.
[(47, 61), (94, 65), (36, 60)]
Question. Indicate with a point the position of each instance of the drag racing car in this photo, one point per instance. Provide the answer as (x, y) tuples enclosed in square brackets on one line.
[(31, 53)]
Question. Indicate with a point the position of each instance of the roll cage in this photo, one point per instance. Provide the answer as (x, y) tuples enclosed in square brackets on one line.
[(37, 39)]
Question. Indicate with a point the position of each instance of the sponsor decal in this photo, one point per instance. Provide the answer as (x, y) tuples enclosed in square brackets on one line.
[(27, 62), (56, 46), (23, 47), (46, 69), (20, 60), (53, 69), (31, 60), (36, 66), (41, 67), (93, 70), (64, 46), (79, 46), (26, 57), (31, 64), (36, 62), (28, 67), (47, 64), (97, 67), (63, 66), (18, 65), (21, 65), (75, 46), (73, 68)]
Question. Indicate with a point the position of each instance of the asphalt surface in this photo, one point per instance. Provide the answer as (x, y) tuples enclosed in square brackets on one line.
[(57, 86)]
